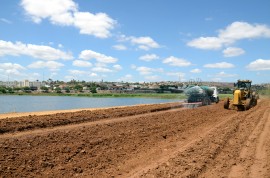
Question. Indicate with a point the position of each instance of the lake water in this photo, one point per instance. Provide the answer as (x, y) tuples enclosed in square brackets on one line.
[(15, 103)]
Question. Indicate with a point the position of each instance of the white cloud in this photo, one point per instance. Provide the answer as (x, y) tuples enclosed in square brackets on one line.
[(149, 57), (58, 11), (216, 79), (133, 66), (145, 42), (220, 65), (206, 43), (9, 48), (231, 52), (175, 74), (244, 30), (152, 78), (102, 69), (35, 51), (7, 66), (259, 64), (60, 46), (196, 71), (126, 78), (120, 47), (208, 18), (179, 75), (223, 75), (117, 67), (5, 20), (66, 13), (47, 52), (77, 72), (32, 76), (93, 74), (99, 64), (122, 38), (36, 74), (80, 63), (70, 77), (11, 69), (53, 74), (185, 34), (147, 70), (173, 61), (89, 54), (52, 65), (232, 33), (98, 24)]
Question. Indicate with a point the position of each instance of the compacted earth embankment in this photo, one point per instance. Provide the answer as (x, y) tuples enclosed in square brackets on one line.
[(139, 141)]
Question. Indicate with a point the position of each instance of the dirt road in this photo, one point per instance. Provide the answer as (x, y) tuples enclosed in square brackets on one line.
[(140, 141)]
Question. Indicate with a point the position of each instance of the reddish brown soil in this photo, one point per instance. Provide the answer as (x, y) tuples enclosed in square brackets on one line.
[(139, 141)]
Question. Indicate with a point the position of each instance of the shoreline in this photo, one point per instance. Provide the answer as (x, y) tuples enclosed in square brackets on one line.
[(105, 95), (51, 112)]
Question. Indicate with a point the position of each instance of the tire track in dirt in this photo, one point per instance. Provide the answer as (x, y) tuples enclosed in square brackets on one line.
[(192, 160), (102, 150), (180, 147), (253, 155), (44, 131), (259, 168), (229, 161), (32, 122), (216, 153), (201, 142)]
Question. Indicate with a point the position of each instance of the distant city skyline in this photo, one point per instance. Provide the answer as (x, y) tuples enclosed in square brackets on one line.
[(135, 41), (24, 83)]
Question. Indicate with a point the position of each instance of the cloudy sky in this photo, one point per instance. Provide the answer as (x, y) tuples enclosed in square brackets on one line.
[(135, 40)]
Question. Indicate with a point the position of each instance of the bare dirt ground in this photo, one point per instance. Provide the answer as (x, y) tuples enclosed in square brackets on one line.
[(140, 141)]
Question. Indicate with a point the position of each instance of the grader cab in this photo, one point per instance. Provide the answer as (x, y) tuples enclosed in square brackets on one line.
[(243, 96)]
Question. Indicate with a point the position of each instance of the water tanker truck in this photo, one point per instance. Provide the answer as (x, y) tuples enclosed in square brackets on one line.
[(201, 95)]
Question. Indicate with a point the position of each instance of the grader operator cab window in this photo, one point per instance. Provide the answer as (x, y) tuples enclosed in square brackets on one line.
[(244, 85)]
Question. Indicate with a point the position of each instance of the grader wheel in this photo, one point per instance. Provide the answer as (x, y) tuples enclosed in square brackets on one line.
[(241, 108), (248, 104), (255, 102), (227, 103)]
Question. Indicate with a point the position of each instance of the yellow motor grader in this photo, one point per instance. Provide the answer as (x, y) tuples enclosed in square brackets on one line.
[(243, 97)]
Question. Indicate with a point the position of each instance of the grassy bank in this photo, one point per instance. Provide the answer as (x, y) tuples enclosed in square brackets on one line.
[(111, 95), (123, 95), (224, 96), (143, 95), (264, 93)]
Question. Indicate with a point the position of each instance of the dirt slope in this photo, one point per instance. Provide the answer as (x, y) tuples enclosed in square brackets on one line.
[(141, 141)]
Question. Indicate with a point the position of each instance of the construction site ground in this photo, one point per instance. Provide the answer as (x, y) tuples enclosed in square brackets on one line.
[(162, 140)]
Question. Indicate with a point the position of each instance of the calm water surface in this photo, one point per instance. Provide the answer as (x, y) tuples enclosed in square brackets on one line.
[(13, 103)]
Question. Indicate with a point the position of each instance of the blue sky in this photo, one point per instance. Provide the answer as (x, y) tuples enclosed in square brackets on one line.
[(135, 40)]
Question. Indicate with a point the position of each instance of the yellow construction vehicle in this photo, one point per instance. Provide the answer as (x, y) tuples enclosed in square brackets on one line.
[(243, 97)]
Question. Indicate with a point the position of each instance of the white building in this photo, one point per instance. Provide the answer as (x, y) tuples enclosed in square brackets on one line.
[(25, 83)]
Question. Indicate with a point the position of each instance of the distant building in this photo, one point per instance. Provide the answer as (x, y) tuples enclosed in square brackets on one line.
[(25, 83), (9, 83)]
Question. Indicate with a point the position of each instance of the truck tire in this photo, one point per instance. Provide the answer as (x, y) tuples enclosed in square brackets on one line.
[(217, 99), (208, 101)]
